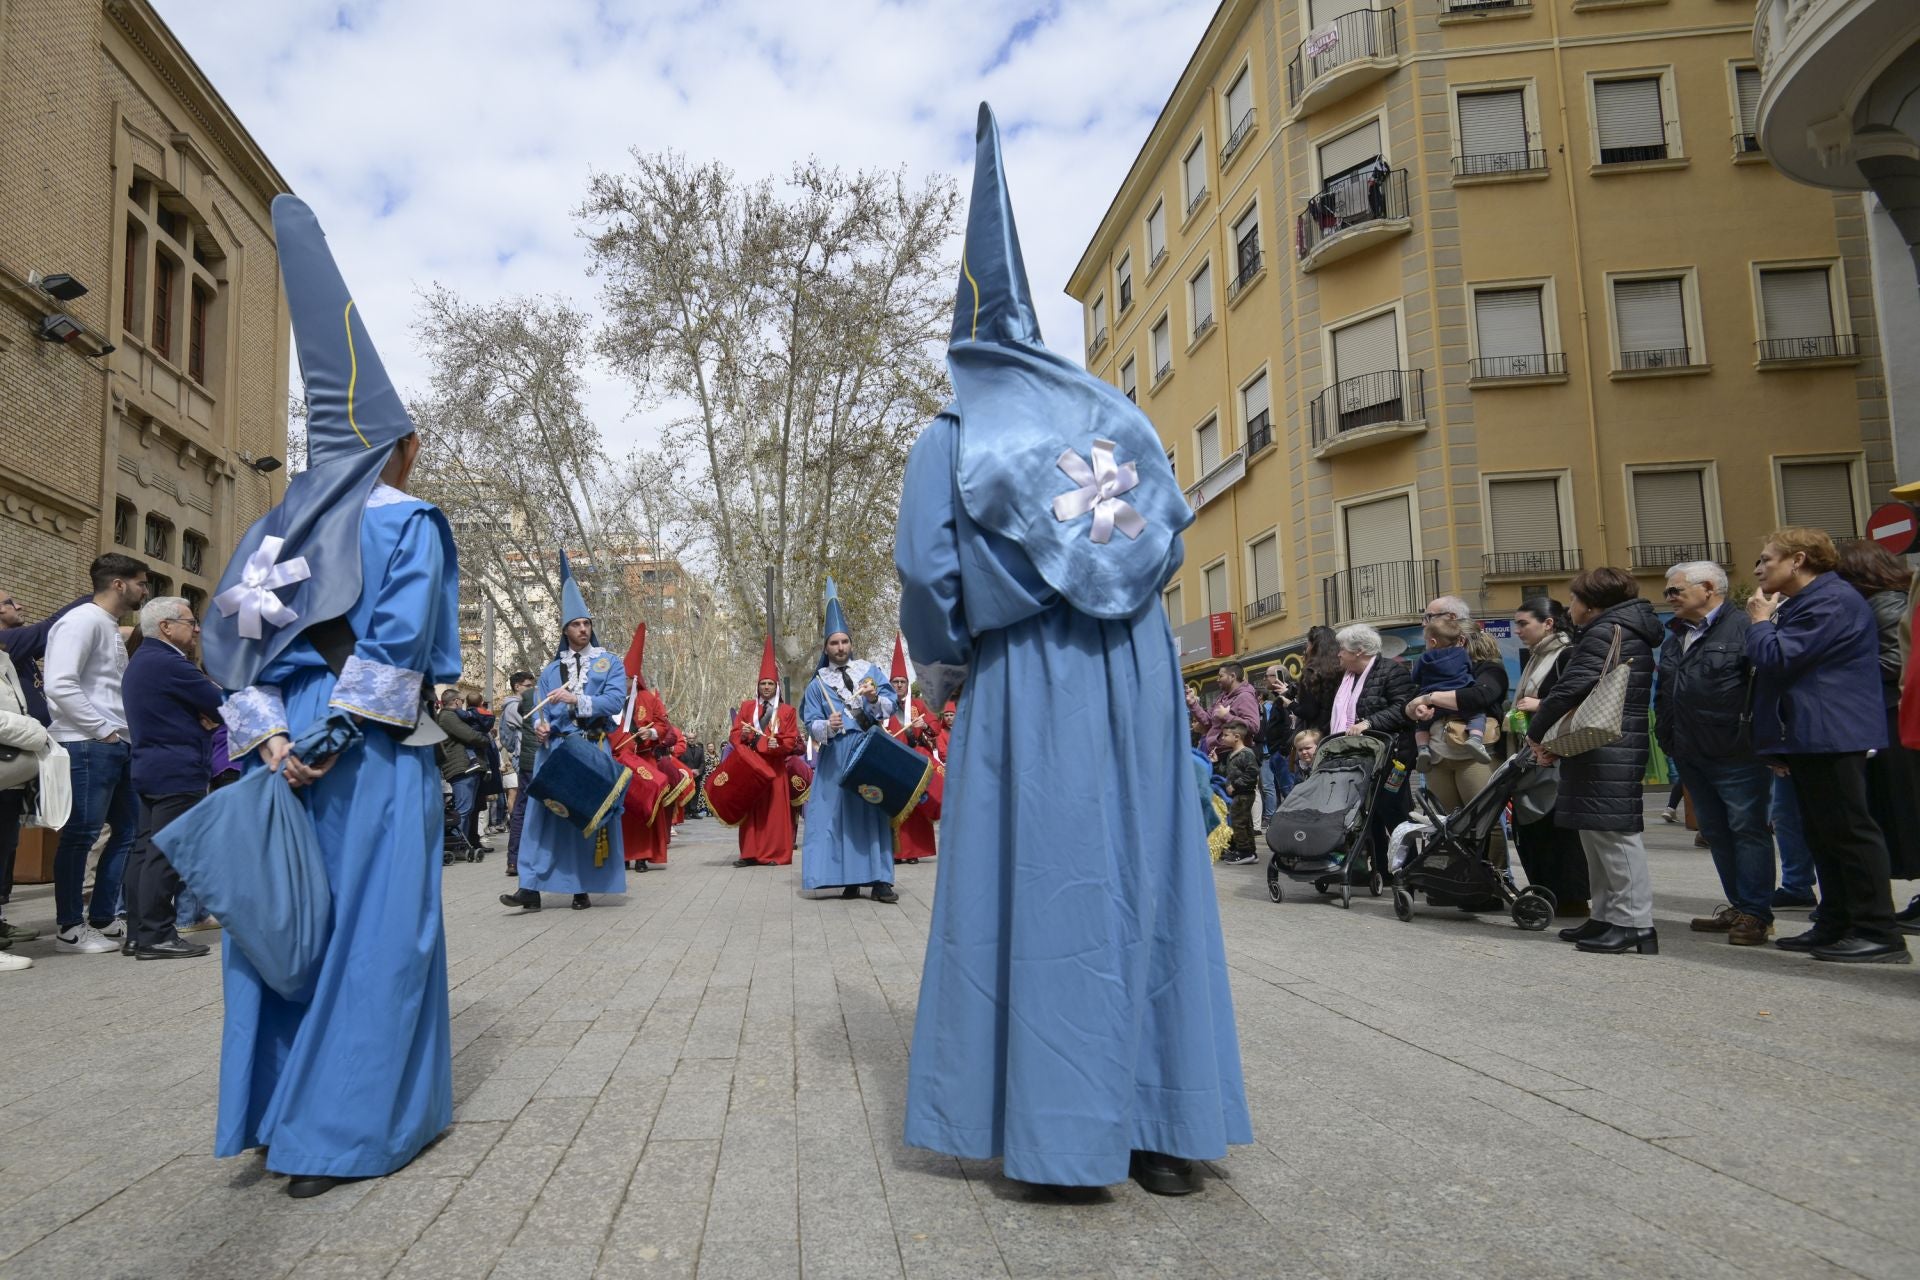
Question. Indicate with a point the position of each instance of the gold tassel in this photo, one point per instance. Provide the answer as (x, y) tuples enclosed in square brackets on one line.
[(602, 846)]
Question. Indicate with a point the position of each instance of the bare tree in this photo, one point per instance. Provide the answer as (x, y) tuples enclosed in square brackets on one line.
[(796, 334)]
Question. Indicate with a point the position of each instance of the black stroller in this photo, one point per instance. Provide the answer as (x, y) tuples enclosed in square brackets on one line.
[(453, 841), (1445, 855), (1321, 834)]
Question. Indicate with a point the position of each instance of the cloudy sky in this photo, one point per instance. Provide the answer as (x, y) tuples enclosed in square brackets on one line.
[(449, 140)]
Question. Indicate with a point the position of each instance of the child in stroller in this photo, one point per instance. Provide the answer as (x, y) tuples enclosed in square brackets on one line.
[(1321, 833), (1445, 856)]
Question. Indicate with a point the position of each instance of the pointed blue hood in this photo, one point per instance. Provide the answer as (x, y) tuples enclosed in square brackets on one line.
[(355, 417), (836, 622), (573, 603), (1049, 456)]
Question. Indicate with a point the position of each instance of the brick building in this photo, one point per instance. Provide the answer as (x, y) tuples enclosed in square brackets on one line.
[(122, 168)]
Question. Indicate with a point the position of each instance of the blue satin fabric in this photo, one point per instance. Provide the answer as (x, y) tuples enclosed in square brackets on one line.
[(354, 1080), (554, 856), (1074, 1005)]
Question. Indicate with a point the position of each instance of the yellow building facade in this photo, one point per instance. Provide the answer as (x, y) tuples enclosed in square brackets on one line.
[(1463, 296)]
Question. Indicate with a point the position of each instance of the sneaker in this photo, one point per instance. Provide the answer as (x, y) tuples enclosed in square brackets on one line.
[(115, 928), (1237, 859), (83, 939), (11, 933), (1477, 751), (1669, 814), (8, 962)]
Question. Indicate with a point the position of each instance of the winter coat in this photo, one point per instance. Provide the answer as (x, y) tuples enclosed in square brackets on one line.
[(1243, 772), (1600, 790), (1700, 703), (1383, 705), (1816, 688), (1889, 607), (464, 750)]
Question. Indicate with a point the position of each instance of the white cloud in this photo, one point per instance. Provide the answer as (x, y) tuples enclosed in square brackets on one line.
[(450, 140)]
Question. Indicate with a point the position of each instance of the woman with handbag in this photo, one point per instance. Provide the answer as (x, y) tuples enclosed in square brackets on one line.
[(1602, 694), (1550, 852), (23, 743)]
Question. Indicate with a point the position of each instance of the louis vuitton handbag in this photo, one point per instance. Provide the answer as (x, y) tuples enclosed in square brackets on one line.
[(1596, 721)]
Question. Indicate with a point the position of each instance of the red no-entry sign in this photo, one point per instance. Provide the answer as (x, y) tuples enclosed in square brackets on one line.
[(1895, 526)]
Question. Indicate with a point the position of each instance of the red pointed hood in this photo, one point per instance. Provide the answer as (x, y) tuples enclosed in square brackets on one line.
[(899, 671), (769, 669), (636, 652)]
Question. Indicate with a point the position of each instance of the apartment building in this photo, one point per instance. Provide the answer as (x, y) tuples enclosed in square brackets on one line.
[(1466, 295)]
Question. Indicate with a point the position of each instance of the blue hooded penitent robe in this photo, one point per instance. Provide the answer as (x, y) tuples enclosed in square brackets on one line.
[(355, 1078), (1074, 1005), (554, 856), (846, 840)]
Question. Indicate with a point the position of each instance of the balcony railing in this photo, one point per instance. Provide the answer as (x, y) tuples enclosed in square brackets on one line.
[(1238, 136), (1350, 203), (1663, 555), (1746, 144), (1370, 400), (1099, 341), (1193, 202), (1830, 346), (1634, 155), (1519, 564), (1159, 256), (1394, 589), (1352, 37), (1494, 163), (1126, 296), (1546, 364), (1201, 328), (1259, 432), (1163, 370), (1264, 607), (1250, 266), (1482, 6), (1663, 358)]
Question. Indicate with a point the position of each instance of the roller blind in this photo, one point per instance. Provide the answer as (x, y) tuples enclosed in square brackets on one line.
[(1129, 379), (1195, 167), (1239, 101), (1746, 83), (1372, 346), (1493, 123), (1819, 495), (1349, 150), (1156, 232), (1266, 567), (1255, 399), (1214, 582), (1651, 315), (1525, 514), (1378, 532), (1176, 611), (1325, 11), (1206, 443), (1669, 508), (1162, 347), (1628, 113), (1201, 297), (1793, 304), (1507, 323)]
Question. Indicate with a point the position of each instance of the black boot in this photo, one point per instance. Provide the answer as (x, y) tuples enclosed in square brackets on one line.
[(1591, 929), (308, 1186), (883, 892), (1616, 938), (851, 891), (525, 899), (580, 902), (1163, 1175)]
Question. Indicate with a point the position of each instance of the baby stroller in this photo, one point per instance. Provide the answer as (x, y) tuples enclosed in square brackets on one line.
[(1321, 833), (453, 840), (1445, 855)]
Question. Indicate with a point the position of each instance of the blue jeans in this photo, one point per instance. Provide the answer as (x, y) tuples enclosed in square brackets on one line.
[(466, 794), (1796, 859), (1269, 788), (1730, 799), (102, 796)]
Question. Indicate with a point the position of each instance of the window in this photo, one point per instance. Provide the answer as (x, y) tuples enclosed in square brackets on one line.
[(196, 600), (1345, 155), (1630, 119), (1255, 411), (1246, 247), (1524, 524), (1206, 450), (1493, 133), (1200, 298), (130, 279), (1193, 174), (1378, 532), (159, 544), (1176, 608), (1130, 380), (1669, 517), (173, 224), (1239, 111), (193, 552), (1652, 316), (1162, 350), (123, 518), (159, 584), (1097, 316), (164, 272), (1746, 109), (197, 335), (1819, 494), (1366, 359), (1156, 235), (1510, 330), (1263, 568), (1796, 314), (1123, 285), (1213, 583)]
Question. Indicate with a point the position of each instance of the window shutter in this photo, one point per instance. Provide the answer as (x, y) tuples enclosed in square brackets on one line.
[(1324, 11), (1651, 315), (1525, 514), (1349, 150), (1176, 611), (1162, 348), (1255, 399), (1214, 582), (1239, 101), (1200, 296), (1669, 508), (1507, 323), (1493, 123), (1129, 379), (1746, 84), (1379, 532), (1372, 346), (1628, 113), (1156, 232), (1793, 304), (1195, 166), (1266, 567), (1819, 495), (1207, 444)]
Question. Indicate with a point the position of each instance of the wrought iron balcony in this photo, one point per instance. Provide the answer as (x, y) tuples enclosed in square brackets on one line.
[(1241, 131), (1354, 49), (1746, 144), (1353, 407), (1494, 164), (1126, 295), (1482, 6), (1251, 265), (1099, 341), (1259, 432), (1193, 202), (1350, 214), (1201, 328), (1664, 555), (1160, 373), (1264, 607), (1663, 358), (1371, 592), (1634, 155), (1830, 346), (1159, 256), (1546, 364), (1527, 564)]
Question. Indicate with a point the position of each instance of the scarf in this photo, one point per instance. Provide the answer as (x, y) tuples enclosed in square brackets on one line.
[(1346, 703), (1540, 664)]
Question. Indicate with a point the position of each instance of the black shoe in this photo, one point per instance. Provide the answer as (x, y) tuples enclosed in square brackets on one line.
[(745, 862), (305, 1188), (171, 949), (126, 945), (1784, 901), (640, 866), (883, 892), (1809, 940), (525, 899), (1237, 859), (1162, 1175), (851, 891), (1851, 950), (1909, 914), (1617, 938), (512, 870), (580, 902), (1591, 929)]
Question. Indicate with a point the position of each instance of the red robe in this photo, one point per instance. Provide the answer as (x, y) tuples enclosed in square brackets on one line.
[(766, 834), (913, 839), (645, 841)]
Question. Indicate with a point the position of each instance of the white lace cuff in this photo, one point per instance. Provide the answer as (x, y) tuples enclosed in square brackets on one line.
[(253, 715), (390, 695)]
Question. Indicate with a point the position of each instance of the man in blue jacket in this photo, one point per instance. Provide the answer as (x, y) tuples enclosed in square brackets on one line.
[(171, 708)]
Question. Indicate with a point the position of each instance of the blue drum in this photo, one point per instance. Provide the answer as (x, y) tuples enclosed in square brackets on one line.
[(886, 772), (580, 784)]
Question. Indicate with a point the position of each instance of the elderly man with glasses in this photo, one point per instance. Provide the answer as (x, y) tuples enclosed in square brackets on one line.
[(171, 714), (1700, 718)]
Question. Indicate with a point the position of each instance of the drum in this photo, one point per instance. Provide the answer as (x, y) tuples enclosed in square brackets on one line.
[(648, 787), (887, 773), (799, 775), (936, 791), (580, 784), (738, 784)]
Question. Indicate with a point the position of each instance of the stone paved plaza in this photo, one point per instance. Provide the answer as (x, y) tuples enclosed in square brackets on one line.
[(706, 1078)]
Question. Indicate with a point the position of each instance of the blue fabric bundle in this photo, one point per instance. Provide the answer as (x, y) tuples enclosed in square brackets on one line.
[(249, 853)]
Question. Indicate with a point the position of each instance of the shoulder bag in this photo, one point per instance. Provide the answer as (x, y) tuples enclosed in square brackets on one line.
[(1596, 721)]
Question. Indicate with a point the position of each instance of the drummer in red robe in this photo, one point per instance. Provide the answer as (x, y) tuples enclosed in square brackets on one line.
[(916, 726), (770, 729), (649, 733)]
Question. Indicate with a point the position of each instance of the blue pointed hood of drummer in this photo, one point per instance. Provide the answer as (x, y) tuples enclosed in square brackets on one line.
[(836, 617), (573, 602), (355, 417), (1021, 411)]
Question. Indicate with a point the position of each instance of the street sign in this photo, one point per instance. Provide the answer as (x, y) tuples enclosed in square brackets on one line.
[(1895, 526), (1498, 628)]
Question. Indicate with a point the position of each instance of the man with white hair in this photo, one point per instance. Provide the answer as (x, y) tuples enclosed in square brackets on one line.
[(1700, 718), (1450, 607), (171, 710)]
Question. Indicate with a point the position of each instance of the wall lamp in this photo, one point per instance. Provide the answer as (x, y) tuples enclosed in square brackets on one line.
[(265, 466)]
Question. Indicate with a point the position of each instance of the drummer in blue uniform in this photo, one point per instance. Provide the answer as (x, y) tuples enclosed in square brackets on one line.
[(848, 842), (582, 691)]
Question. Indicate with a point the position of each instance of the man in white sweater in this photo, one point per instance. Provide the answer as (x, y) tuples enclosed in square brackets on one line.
[(84, 662)]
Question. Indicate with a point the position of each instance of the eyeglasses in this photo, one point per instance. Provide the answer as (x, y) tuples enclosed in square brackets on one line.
[(181, 622)]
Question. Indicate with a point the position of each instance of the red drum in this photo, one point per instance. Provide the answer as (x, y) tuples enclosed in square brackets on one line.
[(799, 780), (929, 807), (737, 785)]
